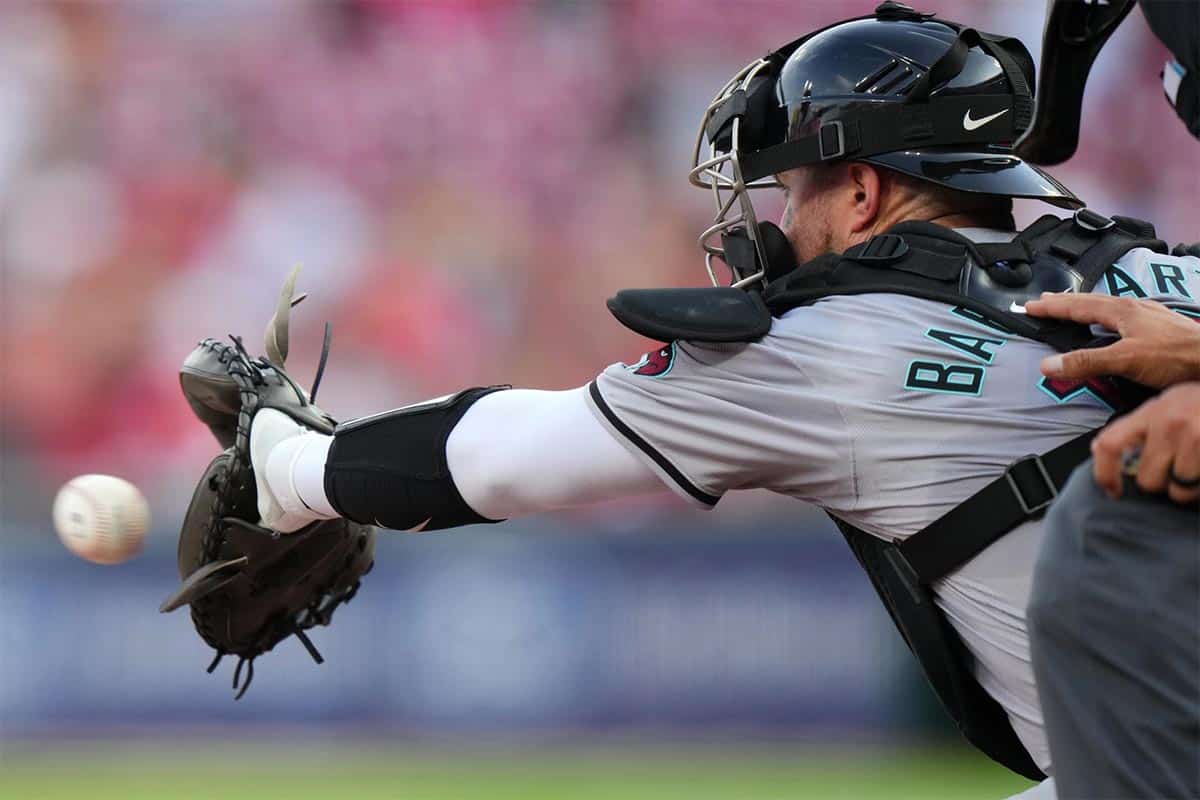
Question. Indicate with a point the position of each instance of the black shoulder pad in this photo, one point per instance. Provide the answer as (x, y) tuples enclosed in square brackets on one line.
[(711, 314)]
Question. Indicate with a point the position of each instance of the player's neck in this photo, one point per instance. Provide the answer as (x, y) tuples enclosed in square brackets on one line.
[(988, 218), (975, 219), (919, 208)]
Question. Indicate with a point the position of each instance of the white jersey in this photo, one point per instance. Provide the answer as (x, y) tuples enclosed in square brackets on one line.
[(887, 411)]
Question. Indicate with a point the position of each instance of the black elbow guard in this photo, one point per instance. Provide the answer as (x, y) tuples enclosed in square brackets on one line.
[(390, 469)]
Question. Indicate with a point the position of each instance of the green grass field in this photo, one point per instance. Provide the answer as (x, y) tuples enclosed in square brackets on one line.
[(655, 772)]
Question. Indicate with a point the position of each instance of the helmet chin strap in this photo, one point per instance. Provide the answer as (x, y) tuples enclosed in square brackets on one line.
[(743, 257)]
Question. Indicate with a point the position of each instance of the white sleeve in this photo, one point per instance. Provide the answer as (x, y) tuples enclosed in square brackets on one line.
[(522, 451)]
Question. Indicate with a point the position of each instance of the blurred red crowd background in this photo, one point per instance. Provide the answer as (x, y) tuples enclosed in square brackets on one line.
[(464, 183)]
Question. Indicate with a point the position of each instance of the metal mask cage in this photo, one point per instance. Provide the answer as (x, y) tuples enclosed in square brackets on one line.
[(720, 172)]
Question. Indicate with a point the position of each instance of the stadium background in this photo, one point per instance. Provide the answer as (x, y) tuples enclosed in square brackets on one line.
[(464, 183)]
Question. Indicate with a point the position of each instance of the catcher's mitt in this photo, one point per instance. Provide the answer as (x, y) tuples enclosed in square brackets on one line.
[(250, 587)]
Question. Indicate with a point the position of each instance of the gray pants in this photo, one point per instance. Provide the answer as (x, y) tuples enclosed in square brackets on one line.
[(1114, 624)]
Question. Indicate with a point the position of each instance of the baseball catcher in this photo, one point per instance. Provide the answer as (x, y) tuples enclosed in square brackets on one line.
[(869, 354)]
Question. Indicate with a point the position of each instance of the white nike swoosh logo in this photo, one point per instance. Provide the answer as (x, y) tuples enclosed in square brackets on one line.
[(1016, 309), (971, 124)]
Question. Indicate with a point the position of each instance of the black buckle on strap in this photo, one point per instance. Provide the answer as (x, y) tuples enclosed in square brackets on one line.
[(831, 141), (883, 247), (904, 568), (890, 10), (1092, 221), (1032, 468)]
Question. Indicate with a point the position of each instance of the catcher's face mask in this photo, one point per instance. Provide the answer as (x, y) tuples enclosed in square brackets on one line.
[(730, 128), (933, 99)]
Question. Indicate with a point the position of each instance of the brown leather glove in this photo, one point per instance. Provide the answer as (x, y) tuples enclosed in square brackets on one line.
[(249, 587)]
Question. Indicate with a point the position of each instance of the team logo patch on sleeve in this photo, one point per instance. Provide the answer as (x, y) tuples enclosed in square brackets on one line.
[(656, 363)]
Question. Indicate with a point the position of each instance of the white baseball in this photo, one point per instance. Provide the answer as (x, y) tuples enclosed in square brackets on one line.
[(101, 518)]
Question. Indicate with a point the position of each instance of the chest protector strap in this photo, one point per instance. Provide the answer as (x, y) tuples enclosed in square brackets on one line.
[(902, 574)]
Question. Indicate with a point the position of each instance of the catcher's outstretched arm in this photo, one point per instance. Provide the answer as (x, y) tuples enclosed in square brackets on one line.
[(524, 451), (479, 456)]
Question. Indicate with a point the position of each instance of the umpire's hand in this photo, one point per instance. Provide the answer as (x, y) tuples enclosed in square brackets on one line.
[(1158, 347), (1166, 430)]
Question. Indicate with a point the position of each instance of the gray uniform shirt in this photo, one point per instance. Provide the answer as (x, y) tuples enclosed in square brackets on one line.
[(886, 411)]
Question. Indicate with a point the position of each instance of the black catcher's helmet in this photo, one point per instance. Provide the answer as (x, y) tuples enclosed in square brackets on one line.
[(933, 99)]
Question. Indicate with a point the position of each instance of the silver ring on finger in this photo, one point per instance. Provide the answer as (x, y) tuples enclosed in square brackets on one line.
[(1186, 483)]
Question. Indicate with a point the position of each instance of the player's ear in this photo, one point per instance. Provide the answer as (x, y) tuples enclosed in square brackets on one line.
[(865, 186)]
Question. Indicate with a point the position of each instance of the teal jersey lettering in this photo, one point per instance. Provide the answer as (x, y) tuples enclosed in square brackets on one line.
[(933, 376), (1169, 279), (1119, 283), (974, 346)]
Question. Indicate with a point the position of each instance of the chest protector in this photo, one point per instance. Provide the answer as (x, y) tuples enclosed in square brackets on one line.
[(924, 260)]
